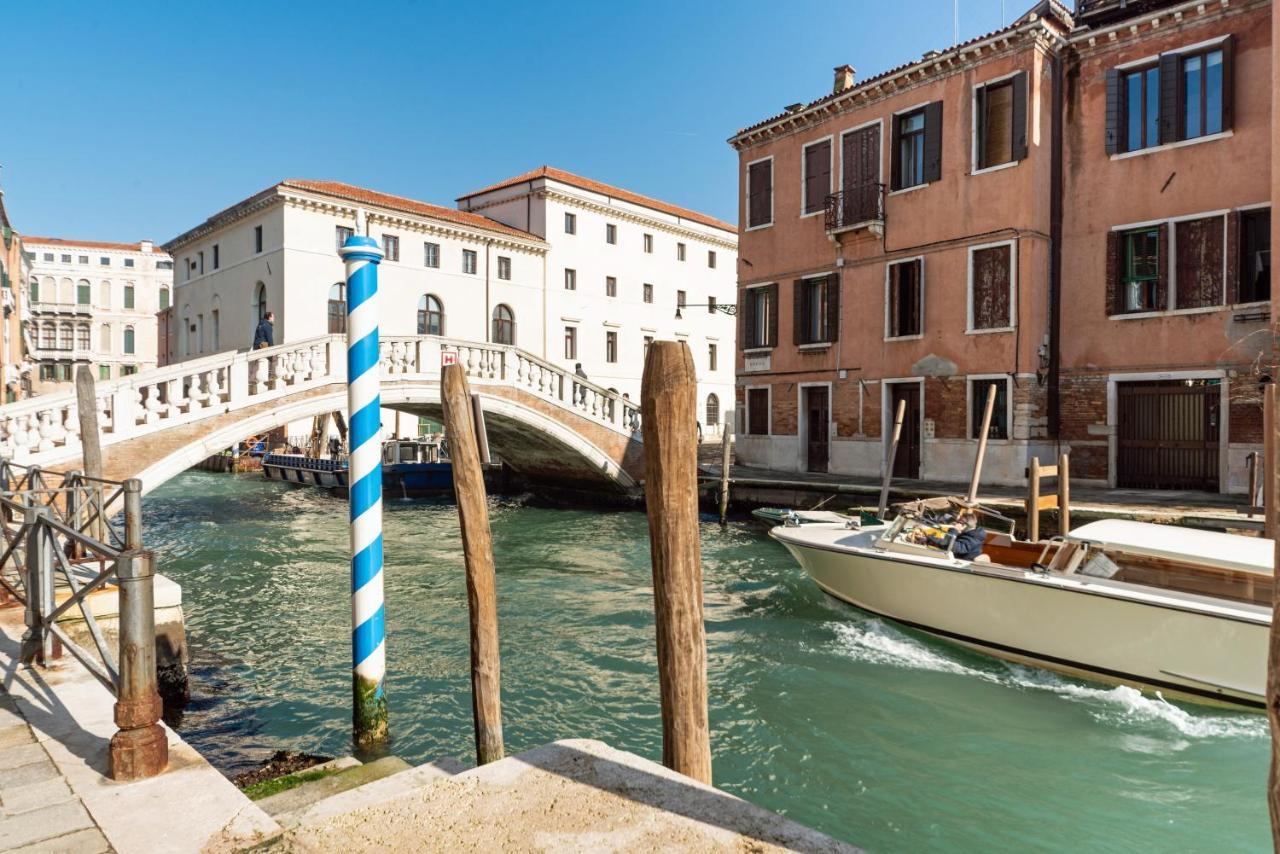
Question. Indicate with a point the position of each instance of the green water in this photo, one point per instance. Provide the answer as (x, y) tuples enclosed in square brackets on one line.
[(871, 733)]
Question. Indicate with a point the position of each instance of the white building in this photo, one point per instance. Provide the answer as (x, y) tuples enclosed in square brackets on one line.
[(96, 303), (464, 275)]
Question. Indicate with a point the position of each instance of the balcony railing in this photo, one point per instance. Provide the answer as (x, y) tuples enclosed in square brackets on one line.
[(860, 206), (40, 306)]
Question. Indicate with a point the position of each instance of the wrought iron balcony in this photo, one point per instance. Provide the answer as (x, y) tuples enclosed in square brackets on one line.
[(858, 207)]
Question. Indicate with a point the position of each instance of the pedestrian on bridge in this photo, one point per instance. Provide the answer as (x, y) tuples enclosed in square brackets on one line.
[(265, 334)]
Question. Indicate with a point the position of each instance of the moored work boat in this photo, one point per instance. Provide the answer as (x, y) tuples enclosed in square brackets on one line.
[(1180, 611)]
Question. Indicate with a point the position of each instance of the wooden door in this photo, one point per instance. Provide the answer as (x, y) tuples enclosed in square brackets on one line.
[(1168, 434), (859, 183), (817, 410), (907, 461)]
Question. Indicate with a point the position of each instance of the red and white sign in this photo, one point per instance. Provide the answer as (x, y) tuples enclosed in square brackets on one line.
[(448, 357)]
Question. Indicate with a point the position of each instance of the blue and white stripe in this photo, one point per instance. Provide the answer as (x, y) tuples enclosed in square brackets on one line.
[(368, 637)]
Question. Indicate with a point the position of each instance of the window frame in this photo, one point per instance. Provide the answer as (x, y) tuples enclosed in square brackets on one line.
[(646, 243), (895, 138), (611, 233), (971, 400), (257, 239), (713, 355), (978, 123), (747, 409), (570, 222), (804, 184), (504, 267), (427, 255), (470, 259), (1239, 249), (571, 342), (680, 247), (1171, 263), (888, 296), (1144, 68), (570, 279), (762, 332), (747, 199), (611, 346), (611, 286), (1013, 288), (1201, 52), (338, 234), (646, 292), (425, 312), (391, 247)]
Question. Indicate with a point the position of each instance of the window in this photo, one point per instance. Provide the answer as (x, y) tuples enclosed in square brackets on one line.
[(917, 147), (35, 291), (1001, 121), (570, 280), (610, 286), (104, 338), (342, 234), (160, 265), (648, 243), (1255, 255), (84, 293), (164, 298), (337, 308), (758, 411), (648, 292), (759, 196), (431, 254), (128, 341), (260, 301), (128, 370), (128, 262), (504, 267), (991, 287), (713, 410), (1140, 91), (104, 261), (611, 346), (430, 315), (978, 391), (104, 372), (257, 238), (66, 259), (47, 372), (217, 331), (817, 310), (570, 342), (711, 358), (64, 336), (48, 256), (104, 295), (906, 299), (680, 299), (1139, 270), (1202, 94), (128, 296), (711, 258), (817, 175), (760, 319), (610, 233), (648, 339), (679, 251), (391, 247), (200, 264), (504, 325), (84, 337), (1199, 262), (711, 305), (84, 259), (570, 223), (468, 261), (48, 336), (216, 256)]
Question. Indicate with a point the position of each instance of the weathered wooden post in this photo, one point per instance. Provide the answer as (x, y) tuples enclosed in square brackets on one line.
[(87, 413), (972, 497), (669, 411), (1064, 494), (726, 459), (1270, 488), (1033, 501), (883, 506), (477, 548), (140, 747)]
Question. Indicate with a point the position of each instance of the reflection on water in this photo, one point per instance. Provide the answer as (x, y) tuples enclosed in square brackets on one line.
[(869, 732)]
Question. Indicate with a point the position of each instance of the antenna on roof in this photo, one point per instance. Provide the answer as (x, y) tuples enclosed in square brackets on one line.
[(1003, 20), (955, 6)]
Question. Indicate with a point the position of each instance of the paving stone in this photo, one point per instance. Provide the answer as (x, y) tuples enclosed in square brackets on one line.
[(19, 755), (36, 795), (87, 841), (45, 823), (16, 734), (25, 775)]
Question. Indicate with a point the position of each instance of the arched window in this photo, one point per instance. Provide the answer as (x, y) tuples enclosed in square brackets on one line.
[(35, 290), (713, 410), (84, 337), (504, 325), (66, 292), (260, 301), (104, 338), (338, 308), (128, 340), (48, 332), (64, 336), (164, 298), (84, 292), (430, 315), (104, 295)]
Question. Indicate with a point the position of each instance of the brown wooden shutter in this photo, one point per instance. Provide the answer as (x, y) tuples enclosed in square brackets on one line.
[(1171, 125), (1162, 258), (895, 282), (895, 152), (1115, 304), (933, 141), (772, 291), (748, 333), (1233, 256), (1199, 262), (1114, 119), (817, 176), (833, 307), (1228, 82), (798, 320), (1020, 116)]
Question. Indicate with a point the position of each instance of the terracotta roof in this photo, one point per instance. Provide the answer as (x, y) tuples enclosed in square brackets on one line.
[(360, 195), (605, 189), (29, 241), (1042, 9)]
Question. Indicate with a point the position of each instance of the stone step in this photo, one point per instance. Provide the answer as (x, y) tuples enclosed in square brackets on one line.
[(372, 793), (299, 797)]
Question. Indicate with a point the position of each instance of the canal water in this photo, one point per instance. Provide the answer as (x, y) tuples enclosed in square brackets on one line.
[(869, 732)]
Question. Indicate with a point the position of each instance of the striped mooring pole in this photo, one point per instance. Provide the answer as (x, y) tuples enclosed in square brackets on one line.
[(368, 635)]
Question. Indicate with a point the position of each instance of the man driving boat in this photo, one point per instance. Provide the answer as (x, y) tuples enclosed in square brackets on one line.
[(965, 537)]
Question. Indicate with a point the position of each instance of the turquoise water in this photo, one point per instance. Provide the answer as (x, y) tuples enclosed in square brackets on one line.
[(869, 732)]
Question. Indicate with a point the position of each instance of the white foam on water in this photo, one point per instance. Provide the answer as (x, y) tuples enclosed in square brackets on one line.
[(875, 642)]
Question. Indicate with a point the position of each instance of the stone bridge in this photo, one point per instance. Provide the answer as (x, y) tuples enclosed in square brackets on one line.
[(547, 424)]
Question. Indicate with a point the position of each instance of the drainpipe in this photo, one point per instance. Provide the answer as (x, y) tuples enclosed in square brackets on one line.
[(1055, 250), (488, 309)]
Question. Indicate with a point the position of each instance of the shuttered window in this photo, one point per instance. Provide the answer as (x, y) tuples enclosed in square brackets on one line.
[(758, 411), (760, 317), (1001, 114), (917, 147), (759, 193), (1184, 96), (1199, 262), (817, 175), (1135, 270), (1255, 255), (817, 310), (991, 282), (906, 298)]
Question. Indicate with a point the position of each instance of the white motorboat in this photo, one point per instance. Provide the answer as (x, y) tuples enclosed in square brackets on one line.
[(1180, 611)]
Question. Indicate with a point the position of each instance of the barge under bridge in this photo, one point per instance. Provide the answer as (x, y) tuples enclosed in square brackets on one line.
[(549, 425)]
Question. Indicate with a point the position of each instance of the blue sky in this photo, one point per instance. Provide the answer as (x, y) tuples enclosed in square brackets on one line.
[(139, 120)]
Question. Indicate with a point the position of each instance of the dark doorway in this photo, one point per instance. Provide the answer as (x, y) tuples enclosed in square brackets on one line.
[(907, 461), (1168, 434), (817, 409)]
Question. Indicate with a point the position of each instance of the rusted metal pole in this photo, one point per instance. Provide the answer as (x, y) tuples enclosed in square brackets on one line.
[(883, 506), (669, 411), (477, 548), (1033, 501), (1064, 494), (139, 748), (132, 514), (982, 444), (726, 459), (38, 644)]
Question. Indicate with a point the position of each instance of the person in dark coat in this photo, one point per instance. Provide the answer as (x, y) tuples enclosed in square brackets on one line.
[(965, 539), (265, 334)]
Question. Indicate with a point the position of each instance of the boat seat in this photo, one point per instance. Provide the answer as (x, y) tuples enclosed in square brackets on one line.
[(982, 559)]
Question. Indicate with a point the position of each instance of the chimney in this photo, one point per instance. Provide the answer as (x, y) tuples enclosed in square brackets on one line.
[(844, 79), (146, 245)]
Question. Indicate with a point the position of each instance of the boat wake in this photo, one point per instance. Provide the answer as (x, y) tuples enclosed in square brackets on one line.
[(876, 642)]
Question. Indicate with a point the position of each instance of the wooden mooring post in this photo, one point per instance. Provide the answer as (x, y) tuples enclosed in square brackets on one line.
[(477, 546), (726, 458), (669, 412), (972, 497), (1270, 509), (91, 442), (889, 460)]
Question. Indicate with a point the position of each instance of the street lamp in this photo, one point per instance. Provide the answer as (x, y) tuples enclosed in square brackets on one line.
[(723, 307)]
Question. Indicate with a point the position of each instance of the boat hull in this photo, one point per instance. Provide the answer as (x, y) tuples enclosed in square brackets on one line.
[(1025, 617)]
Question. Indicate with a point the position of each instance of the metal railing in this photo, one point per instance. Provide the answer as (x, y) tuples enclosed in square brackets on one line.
[(862, 204)]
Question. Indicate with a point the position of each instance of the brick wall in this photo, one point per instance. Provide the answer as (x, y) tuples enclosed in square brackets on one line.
[(845, 408), (1083, 402), (784, 409), (945, 402), (871, 409)]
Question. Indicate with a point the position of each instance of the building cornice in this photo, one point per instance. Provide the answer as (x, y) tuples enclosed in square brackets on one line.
[(1095, 40), (250, 206)]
